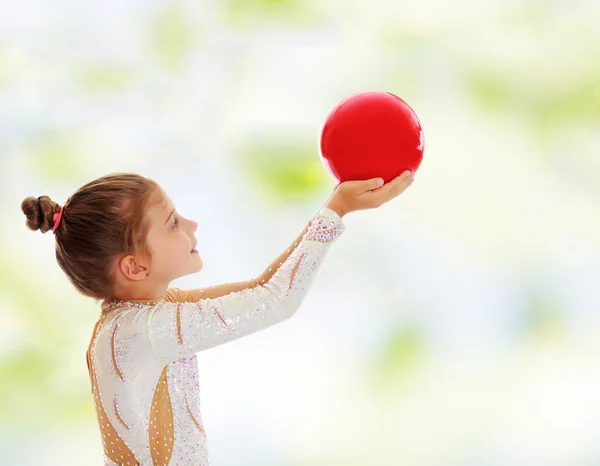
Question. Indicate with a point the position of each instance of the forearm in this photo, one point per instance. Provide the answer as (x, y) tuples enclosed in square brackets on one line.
[(217, 291), (273, 266)]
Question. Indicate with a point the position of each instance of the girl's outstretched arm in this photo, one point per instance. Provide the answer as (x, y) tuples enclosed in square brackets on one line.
[(211, 317), (346, 197), (179, 329)]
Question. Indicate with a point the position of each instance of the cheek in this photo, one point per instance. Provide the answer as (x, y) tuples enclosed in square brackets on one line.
[(183, 246), (171, 251)]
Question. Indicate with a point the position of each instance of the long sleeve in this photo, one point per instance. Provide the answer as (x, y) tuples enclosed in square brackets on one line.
[(179, 329)]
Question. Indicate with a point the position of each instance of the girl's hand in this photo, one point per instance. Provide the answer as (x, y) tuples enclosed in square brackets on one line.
[(368, 194)]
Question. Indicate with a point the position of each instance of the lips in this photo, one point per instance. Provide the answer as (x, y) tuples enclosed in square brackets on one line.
[(194, 248)]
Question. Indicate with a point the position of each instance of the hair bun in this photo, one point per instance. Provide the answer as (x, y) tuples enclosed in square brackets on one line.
[(39, 212)]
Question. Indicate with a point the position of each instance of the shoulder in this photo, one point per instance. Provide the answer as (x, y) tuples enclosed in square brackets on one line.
[(176, 295)]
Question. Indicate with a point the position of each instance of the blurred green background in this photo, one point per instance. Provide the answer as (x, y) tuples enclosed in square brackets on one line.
[(455, 326)]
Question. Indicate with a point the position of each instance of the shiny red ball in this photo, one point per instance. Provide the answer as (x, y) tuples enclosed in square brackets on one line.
[(371, 134)]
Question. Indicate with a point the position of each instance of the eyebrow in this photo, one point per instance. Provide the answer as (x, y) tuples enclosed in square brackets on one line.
[(169, 216)]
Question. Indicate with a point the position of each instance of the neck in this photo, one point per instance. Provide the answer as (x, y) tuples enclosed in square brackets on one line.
[(141, 291)]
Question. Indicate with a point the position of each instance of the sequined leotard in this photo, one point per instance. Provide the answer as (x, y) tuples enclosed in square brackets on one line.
[(142, 361)]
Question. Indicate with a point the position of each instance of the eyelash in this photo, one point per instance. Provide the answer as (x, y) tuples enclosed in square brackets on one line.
[(175, 222)]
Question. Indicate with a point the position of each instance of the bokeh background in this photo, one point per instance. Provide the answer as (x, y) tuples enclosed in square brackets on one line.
[(458, 325)]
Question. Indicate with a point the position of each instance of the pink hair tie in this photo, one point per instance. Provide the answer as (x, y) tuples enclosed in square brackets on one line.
[(56, 218)]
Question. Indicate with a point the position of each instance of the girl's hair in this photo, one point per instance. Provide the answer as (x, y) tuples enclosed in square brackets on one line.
[(101, 222)]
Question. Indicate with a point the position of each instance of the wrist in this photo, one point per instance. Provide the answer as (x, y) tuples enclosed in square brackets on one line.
[(336, 208)]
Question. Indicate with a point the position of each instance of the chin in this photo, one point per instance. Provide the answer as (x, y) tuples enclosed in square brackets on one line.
[(198, 267), (191, 272), (195, 269)]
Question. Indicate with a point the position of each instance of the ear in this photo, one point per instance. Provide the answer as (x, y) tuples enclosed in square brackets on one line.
[(132, 269)]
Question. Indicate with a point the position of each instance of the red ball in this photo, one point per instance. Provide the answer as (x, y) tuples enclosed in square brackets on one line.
[(370, 135)]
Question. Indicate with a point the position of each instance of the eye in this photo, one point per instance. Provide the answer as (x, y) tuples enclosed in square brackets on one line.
[(175, 223)]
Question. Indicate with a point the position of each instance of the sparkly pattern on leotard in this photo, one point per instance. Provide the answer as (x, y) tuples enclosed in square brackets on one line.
[(142, 356)]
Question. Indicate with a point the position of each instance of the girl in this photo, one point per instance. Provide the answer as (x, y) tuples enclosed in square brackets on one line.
[(120, 240)]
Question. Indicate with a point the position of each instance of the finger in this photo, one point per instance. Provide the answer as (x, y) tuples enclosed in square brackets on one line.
[(392, 189), (393, 185), (401, 186), (369, 185)]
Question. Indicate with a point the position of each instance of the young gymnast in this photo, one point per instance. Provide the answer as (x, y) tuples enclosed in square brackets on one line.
[(121, 241)]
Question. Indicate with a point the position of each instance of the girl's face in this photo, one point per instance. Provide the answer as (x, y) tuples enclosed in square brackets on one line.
[(171, 242)]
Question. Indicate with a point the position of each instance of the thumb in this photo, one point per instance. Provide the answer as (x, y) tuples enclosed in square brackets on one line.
[(371, 184)]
